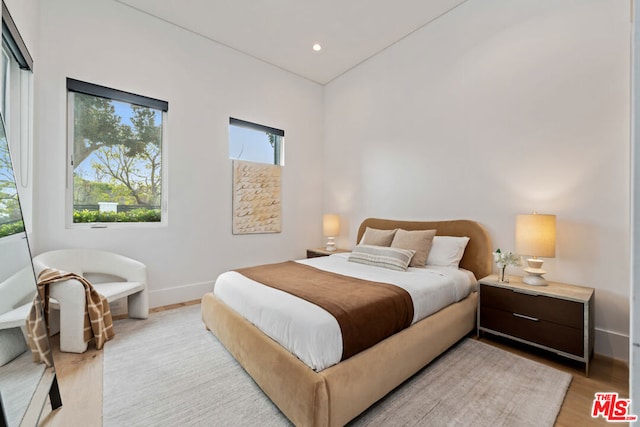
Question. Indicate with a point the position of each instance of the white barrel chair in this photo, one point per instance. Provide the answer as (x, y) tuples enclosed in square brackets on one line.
[(113, 276), (17, 293)]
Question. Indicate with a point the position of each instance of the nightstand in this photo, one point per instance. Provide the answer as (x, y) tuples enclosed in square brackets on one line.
[(557, 317), (314, 253)]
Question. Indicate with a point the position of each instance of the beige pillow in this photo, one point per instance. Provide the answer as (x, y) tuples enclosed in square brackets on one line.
[(380, 256), (418, 240), (375, 237)]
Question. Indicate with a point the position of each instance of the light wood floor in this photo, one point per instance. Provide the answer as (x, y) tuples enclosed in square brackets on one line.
[(80, 380)]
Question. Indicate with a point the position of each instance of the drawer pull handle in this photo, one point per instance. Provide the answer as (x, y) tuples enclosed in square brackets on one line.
[(522, 316)]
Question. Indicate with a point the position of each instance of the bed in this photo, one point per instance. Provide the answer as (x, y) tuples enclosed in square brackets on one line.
[(335, 395)]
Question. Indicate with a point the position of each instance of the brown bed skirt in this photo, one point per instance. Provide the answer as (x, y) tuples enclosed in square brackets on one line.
[(339, 393)]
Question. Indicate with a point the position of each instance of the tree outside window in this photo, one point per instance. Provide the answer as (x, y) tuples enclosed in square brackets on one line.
[(10, 214)]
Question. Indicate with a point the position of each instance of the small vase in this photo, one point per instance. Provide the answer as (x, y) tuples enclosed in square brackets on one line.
[(502, 276)]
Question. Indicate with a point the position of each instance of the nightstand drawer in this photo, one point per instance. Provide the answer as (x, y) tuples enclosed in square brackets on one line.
[(555, 310), (530, 328), (314, 254)]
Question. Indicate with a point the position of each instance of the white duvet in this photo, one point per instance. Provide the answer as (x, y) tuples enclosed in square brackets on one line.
[(310, 332)]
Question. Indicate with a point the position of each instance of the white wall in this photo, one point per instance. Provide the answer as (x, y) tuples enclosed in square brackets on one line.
[(25, 15), (14, 253), (499, 107), (107, 43)]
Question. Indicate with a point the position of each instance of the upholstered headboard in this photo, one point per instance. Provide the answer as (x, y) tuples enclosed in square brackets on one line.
[(478, 254)]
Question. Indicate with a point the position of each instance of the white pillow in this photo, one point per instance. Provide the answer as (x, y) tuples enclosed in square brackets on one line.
[(382, 256), (447, 251)]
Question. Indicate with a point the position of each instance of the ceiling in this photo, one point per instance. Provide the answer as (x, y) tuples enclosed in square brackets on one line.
[(282, 32)]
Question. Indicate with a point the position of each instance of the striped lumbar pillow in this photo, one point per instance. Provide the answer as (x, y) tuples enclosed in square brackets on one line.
[(380, 256)]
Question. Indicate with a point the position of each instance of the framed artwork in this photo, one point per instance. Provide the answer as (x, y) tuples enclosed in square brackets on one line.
[(257, 206)]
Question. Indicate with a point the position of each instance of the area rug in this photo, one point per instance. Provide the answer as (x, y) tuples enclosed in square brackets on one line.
[(169, 370)]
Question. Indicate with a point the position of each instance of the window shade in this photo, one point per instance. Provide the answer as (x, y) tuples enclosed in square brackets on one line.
[(12, 39), (118, 95), (242, 123)]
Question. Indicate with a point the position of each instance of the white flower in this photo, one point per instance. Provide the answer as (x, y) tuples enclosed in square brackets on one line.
[(506, 258)]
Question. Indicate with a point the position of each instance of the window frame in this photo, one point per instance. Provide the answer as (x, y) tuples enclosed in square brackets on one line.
[(76, 86)]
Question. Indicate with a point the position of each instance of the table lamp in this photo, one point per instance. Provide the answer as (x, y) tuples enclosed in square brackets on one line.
[(330, 228), (536, 237)]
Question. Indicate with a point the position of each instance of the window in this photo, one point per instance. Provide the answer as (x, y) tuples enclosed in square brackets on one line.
[(115, 141), (255, 143), (16, 101)]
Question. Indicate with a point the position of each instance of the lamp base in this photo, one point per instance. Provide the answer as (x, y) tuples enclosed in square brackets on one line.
[(534, 276), (331, 244), (534, 273)]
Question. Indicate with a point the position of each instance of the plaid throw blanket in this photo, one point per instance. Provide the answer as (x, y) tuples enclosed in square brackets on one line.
[(38, 334), (98, 323)]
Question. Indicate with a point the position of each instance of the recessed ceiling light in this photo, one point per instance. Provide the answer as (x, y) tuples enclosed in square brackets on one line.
[(317, 47)]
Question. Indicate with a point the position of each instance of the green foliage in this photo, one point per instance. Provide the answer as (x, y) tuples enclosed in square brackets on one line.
[(87, 192), (136, 215), (9, 204), (96, 125), (11, 228)]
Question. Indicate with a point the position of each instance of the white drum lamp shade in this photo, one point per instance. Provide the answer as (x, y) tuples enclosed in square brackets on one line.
[(535, 237)]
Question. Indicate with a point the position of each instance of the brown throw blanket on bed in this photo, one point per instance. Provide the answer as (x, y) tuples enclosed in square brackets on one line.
[(98, 323), (367, 312)]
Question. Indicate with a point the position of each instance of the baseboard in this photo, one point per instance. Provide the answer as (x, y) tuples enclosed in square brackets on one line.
[(612, 344), (184, 293)]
